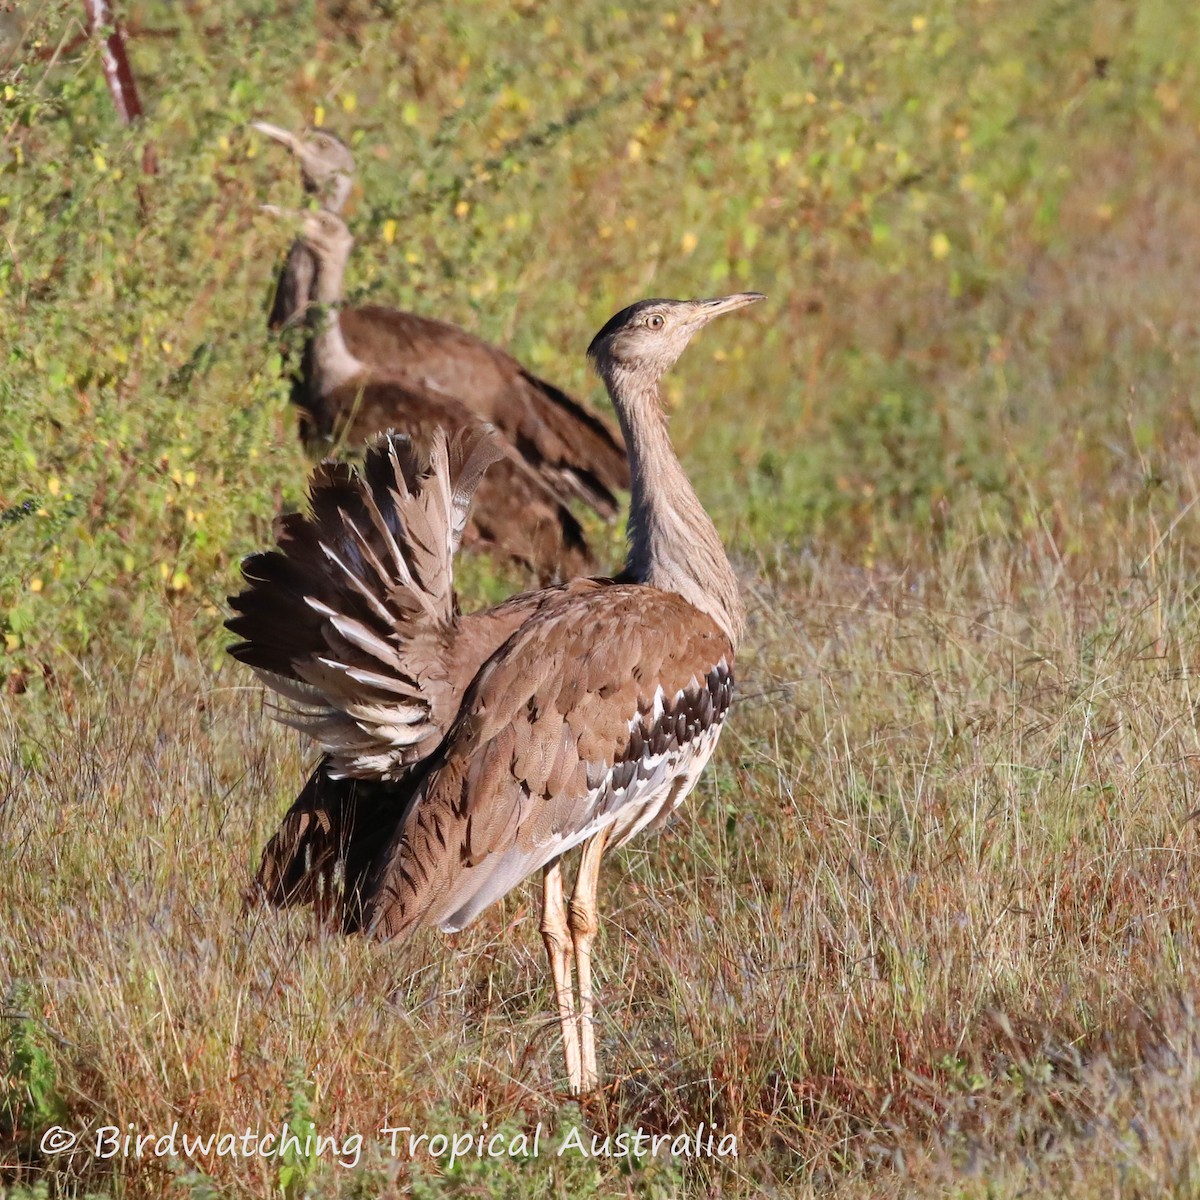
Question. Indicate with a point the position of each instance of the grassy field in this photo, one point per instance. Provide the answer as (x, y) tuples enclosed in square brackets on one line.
[(927, 927)]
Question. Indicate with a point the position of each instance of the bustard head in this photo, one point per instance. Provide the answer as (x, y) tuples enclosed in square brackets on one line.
[(645, 339), (327, 234), (326, 164)]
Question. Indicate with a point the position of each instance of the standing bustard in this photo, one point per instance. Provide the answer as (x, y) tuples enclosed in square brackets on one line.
[(487, 746), (574, 452)]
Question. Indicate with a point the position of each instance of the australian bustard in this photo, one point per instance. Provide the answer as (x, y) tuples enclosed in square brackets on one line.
[(572, 450), (465, 753), (516, 517)]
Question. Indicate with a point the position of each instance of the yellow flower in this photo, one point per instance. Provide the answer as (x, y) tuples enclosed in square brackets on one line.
[(939, 246)]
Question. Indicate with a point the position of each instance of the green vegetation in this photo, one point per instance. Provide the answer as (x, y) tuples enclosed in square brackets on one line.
[(928, 926)]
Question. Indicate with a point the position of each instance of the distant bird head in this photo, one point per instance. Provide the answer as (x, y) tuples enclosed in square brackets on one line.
[(647, 338), (326, 164), (324, 232)]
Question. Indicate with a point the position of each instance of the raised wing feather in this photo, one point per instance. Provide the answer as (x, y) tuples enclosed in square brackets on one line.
[(349, 620)]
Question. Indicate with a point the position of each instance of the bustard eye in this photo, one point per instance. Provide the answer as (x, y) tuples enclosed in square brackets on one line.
[(655, 321)]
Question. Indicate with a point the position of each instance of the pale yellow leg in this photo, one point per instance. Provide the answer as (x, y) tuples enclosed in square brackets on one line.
[(585, 924), (557, 936)]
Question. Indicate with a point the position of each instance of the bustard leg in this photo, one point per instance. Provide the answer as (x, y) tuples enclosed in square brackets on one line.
[(557, 936), (585, 924)]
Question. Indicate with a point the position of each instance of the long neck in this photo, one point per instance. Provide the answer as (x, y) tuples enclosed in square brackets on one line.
[(293, 291), (673, 545), (332, 362)]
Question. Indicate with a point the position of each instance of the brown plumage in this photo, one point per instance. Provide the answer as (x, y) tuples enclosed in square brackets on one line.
[(572, 450), (328, 839), (575, 453), (547, 751), (463, 753), (517, 517)]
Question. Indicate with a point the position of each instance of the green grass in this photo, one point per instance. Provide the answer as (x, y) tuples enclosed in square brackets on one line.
[(928, 927)]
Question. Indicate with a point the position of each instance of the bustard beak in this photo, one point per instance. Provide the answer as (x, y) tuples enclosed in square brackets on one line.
[(285, 137), (706, 310)]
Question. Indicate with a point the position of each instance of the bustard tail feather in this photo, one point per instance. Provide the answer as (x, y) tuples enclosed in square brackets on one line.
[(347, 620), (324, 846)]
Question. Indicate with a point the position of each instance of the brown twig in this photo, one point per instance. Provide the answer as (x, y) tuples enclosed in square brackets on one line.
[(102, 23), (117, 72)]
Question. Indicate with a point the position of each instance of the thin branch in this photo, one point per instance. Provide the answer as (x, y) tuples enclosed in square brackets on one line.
[(117, 72)]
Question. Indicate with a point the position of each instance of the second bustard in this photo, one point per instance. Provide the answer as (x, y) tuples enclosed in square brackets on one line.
[(574, 452), (518, 517), (485, 747)]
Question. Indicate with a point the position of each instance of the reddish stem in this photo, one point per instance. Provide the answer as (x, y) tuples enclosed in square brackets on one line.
[(117, 72)]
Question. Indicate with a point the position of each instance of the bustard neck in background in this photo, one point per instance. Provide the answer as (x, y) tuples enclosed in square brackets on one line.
[(330, 242)]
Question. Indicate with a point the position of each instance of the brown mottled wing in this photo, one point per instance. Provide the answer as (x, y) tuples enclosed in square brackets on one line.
[(350, 619), (515, 515), (431, 354), (573, 451), (557, 434), (599, 713)]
